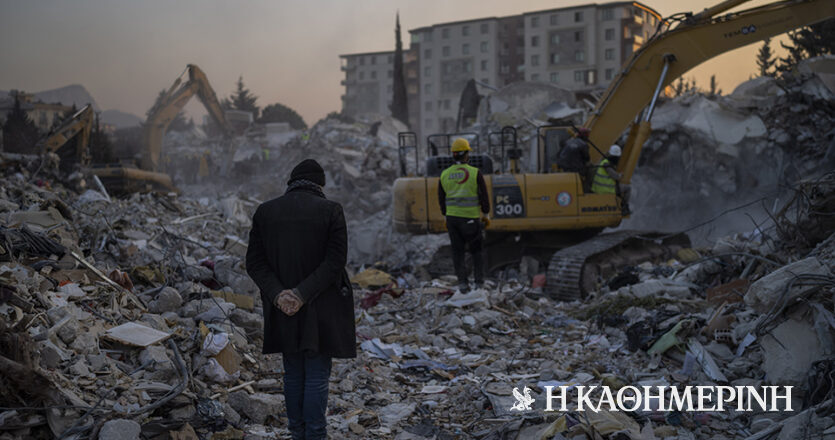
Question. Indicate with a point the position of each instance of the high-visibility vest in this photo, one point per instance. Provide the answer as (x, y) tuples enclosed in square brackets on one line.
[(460, 186), (602, 183)]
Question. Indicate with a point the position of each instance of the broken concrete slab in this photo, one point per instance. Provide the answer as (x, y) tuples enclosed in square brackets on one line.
[(763, 294), (132, 333)]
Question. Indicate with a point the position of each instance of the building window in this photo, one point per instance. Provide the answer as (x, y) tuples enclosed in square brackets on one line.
[(534, 41), (534, 60), (465, 30), (362, 76), (555, 58), (579, 56), (465, 49), (504, 68), (427, 71), (579, 76), (362, 61), (427, 106), (446, 104), (445, 51), (428, 123), (578, 36), (485, 28), (373, 74), (609, 54), (388, 89), (483, 65), (445, 33), (608, 14), (555, 38), (535, 77), (484, 47), (553, 19), (609, 74), (534, 21), (427, 88), (427, 37), (610, 35), (427, 54), (373, 60), (555, 77), (390, 73), (391, 59), (447, 68), (468, 66), (578, 16)]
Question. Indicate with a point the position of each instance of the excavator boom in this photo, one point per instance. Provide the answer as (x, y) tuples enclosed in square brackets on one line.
[(694, 40), (79, 126)]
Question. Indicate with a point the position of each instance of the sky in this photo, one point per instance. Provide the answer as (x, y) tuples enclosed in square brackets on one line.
[(124, 52)]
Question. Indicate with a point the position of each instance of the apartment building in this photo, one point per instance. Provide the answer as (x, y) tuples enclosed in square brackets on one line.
[(449, 55), (579, 47), (584, 46), (368, 82)]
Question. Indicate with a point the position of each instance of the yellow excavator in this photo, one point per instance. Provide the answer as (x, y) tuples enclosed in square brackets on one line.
[(71, 141), (547, 209), (151, 174)]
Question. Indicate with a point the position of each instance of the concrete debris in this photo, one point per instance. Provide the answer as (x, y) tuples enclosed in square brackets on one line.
[(170, 343)]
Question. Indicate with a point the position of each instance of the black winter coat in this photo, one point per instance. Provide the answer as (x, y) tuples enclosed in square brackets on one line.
[(299, 240)]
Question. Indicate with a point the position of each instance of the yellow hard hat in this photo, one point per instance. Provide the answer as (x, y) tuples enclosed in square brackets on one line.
[(460, 145)]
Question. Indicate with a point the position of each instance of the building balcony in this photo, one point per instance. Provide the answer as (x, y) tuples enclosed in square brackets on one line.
[(348, 68)]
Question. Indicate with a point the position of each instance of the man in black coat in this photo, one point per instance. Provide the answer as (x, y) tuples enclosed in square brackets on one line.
[(296, 255)]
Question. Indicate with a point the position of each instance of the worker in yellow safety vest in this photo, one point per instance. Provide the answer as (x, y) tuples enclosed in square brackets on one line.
[(462, 194), (607, 179)]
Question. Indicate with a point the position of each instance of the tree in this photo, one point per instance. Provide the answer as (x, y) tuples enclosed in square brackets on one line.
[(807, 42), (714, 86), (101, 148), (399, 102), (241, 99), (281, 113), (685, 87), (20, 134), (179, 123), (765, 59)]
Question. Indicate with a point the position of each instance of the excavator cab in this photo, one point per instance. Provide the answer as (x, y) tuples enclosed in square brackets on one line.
[(438, 154), (509, 153), (439, 157)]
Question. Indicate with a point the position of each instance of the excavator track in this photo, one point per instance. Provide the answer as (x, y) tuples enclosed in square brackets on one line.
[(576, 270)]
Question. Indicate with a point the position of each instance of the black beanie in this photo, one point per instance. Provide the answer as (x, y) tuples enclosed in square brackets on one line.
[(310, 170)]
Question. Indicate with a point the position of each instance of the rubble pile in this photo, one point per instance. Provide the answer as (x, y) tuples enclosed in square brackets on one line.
[(719, 152), (129, 317)]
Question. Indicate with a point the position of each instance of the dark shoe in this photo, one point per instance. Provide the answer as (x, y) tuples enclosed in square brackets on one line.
[(625, 211)]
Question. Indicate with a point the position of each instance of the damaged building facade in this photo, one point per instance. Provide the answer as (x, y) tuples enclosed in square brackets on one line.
[(575, 48)]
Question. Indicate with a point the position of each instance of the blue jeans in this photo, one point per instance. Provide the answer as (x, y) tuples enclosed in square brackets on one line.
[(306, 394)]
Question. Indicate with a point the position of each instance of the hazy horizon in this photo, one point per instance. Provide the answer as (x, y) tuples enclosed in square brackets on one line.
[(124, 53)]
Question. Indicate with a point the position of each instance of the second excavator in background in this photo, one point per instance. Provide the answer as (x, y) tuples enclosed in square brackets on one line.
[(151, 175)]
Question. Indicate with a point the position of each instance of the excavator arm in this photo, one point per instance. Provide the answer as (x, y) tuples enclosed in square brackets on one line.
[(668, 55), (78, 125), (170, 104)]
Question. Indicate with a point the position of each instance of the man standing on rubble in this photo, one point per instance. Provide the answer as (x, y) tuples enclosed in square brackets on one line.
[(607, 178), (461, 192), (296, 255)]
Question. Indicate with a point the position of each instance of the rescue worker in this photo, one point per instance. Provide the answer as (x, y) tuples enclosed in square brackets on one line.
[(607, 179), (574, 155), (462, 193)]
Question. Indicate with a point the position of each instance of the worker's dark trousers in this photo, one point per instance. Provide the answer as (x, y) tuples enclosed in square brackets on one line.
[(463, 232)]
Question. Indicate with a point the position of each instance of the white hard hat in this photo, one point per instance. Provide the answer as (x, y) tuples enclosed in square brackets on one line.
[(614, 150)]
